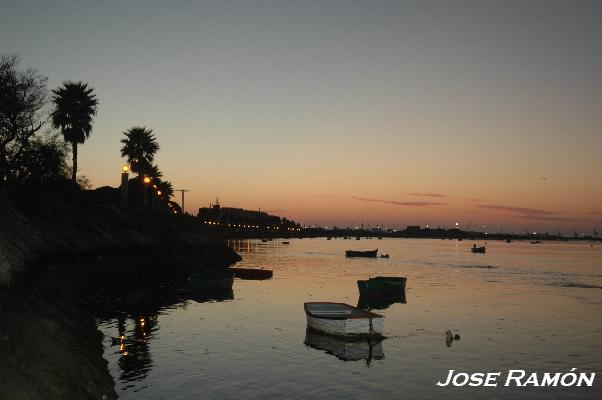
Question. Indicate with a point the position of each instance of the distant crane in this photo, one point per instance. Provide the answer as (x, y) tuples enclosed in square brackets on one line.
[(182, 191)]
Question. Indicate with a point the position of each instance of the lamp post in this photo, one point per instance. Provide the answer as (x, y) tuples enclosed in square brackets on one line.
[(182, 191), (123, 192), (146, 181)]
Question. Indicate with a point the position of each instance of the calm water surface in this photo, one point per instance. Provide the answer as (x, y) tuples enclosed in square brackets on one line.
[(519, 306)]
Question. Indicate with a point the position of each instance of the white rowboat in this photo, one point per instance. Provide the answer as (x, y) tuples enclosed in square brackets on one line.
[(341, 319)]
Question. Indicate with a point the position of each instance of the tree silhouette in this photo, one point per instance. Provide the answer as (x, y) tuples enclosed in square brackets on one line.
[(23, 112), (75, 107), (140, 146)]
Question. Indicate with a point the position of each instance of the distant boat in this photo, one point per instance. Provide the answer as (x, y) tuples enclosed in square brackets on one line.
[(476, 249), (286, 242), (346, 349), (212, 281), (255, 274), (355, 253), (264, 240), (508, 240), (382, 286), (341, 319)]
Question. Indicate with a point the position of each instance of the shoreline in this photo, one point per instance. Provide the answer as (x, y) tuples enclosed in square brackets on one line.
[(70, 257)]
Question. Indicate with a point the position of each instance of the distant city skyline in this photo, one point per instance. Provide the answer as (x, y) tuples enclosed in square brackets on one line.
[(388, 112)]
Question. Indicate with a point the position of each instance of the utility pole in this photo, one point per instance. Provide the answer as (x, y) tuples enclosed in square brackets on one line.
[(182, 191)]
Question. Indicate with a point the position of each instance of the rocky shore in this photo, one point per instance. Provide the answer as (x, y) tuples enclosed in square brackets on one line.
[(68, 257)]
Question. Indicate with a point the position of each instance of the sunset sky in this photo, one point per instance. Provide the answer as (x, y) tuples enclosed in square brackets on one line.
[(338, 112)]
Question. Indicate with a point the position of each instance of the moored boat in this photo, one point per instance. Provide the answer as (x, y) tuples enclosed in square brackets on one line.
[(356, 253), (382, 286), (341, 319), (476, 249), (252, 273)]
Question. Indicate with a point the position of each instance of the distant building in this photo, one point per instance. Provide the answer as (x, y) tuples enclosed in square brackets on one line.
[(240, 218), (413, 229)]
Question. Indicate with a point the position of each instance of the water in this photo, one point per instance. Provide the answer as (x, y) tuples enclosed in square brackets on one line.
[(519, 306)]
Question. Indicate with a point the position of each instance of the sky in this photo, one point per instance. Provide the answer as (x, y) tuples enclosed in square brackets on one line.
[(390, 113)]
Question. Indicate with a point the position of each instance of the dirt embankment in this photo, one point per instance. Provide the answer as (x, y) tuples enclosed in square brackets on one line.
[(67, 257)]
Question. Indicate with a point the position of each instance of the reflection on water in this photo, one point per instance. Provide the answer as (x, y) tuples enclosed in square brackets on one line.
[(515, 306), (346, 349), (203, 297), (133, 330), (135, 361), (380, 303)]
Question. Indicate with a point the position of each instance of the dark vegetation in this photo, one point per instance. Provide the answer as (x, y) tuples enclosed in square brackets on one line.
[(70, 256)]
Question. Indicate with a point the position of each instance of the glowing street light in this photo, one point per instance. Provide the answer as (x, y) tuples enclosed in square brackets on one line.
[(125, 168), (147, 179)]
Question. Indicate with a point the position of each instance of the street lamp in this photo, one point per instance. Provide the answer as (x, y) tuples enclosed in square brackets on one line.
[(146, 181), (123, 194)]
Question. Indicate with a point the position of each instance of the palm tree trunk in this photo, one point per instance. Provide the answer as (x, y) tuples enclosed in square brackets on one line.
[(74, 173)]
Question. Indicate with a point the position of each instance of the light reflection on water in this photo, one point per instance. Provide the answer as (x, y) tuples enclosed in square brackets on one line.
[(532, 307)]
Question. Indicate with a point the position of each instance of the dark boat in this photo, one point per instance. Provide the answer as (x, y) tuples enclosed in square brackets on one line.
[(476, 249), (508, 240), (212, 281), (355, 253), (382, 286), (252, 273), (286, 242)]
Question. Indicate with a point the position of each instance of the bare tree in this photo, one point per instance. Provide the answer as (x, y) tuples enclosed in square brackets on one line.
[(23, 110)]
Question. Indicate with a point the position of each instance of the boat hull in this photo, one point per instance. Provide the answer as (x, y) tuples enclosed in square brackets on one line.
[(368, 254), (340, 319), (346, 327), (382, 287)]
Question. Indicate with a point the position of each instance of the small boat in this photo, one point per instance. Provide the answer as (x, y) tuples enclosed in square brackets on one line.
[(384, 256), (255, 274), (382, 286), (286, 242), (356, 253), (212, 281), (346, 349), (508, 240), (341, 319), (476, 249), (264, 240)]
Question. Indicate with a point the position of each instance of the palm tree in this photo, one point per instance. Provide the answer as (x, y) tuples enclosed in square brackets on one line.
[(140, 146), (166, 189), (75, 107)]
